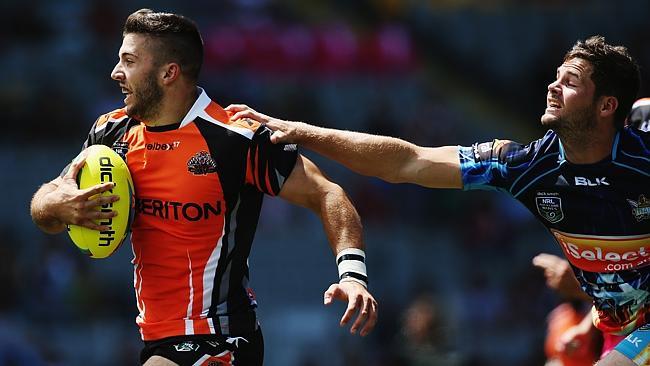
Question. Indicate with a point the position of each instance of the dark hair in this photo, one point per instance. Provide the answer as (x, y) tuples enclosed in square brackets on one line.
[(614, 72), (177, 38)]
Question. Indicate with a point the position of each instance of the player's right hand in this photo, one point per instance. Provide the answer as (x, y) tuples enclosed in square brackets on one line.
[(283, 131), (71, 205), (359, 300)]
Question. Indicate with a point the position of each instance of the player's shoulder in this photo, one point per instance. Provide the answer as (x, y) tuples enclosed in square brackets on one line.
[(218, 116), (515, 152), (246, 123), (115, 115)]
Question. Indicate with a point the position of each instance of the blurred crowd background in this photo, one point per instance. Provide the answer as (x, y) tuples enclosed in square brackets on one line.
[(452, 271)]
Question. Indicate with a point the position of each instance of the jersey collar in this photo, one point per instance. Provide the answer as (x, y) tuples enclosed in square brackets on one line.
[(561, 159), (198, 108)]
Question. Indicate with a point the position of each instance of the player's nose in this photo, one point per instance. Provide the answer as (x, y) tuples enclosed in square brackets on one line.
[(553, 87), (117, 73)]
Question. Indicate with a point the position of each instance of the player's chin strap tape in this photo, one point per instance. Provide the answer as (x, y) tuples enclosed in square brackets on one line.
[(352, 266)]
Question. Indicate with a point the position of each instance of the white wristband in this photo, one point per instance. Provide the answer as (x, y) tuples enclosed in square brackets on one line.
[(352, 266)]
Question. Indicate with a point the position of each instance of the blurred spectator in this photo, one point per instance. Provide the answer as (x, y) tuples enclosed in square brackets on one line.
[(423, 339)]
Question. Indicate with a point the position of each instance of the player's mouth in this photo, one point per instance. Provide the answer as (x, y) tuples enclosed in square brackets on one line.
[(127, 94), (552, 105)]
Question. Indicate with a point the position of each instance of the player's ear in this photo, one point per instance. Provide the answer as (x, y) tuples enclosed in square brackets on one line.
[(608, 106), (170, 72)]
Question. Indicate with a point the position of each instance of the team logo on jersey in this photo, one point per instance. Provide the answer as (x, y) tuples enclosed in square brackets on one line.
[(186, 347), (201, 164), (550, 207), (640, 208), (561, 181)]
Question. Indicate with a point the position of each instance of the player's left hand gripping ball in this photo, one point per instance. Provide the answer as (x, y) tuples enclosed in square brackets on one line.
[(103, 165)]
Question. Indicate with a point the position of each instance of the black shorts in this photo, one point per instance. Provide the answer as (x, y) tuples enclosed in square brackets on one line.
[(208, 350)]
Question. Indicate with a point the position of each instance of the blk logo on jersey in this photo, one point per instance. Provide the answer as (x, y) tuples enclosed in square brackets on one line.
[(201, 164), (591, 182), (640, 208), (550, 208)]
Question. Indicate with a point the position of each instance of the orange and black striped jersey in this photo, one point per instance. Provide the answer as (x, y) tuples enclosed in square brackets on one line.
[(199, 186)]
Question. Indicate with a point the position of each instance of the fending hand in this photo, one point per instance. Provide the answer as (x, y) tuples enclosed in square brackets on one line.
[(283, 131), (359, 300)]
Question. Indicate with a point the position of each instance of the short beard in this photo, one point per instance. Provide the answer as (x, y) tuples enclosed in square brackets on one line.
[(148, 98), (576, 128)]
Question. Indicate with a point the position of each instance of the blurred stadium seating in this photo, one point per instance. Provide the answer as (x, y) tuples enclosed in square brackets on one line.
[(432, 72)]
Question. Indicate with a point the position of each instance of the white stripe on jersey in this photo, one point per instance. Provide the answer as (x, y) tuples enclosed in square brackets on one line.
[(208, 275), (189, 305), (211, 325), (137, 284), (189, 327)]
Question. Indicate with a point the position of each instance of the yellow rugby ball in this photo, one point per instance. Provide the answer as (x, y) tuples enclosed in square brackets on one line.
[(104, 165)]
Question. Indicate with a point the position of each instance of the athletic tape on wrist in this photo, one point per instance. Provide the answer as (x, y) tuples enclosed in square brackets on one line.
[(352, 266)]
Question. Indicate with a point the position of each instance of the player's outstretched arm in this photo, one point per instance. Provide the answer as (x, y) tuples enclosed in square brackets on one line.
[(308, 187), (391, 159), (61, 202)]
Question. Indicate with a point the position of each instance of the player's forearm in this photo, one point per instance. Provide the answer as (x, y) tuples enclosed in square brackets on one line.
[(371, 155), (41, 210), (340, 219), (344, 232)]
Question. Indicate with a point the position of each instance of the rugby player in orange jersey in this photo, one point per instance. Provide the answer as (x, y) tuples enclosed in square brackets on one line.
[(587, 180), (199, 179)]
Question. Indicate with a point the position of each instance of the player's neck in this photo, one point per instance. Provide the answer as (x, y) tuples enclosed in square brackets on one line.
[(590, 147), (175, 105)]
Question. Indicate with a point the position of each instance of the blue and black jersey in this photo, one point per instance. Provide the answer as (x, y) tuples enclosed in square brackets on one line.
[(598, 213)]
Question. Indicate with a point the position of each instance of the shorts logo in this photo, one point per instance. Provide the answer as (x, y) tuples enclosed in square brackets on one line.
[(640, 208), (550, 208), (636, 341), (235, 340), (201, 164), (186, 347)]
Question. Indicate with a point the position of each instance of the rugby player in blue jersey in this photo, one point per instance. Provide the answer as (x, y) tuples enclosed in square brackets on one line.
[(587, 180)]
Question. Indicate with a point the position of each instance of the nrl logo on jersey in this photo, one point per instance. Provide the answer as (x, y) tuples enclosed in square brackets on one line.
[(121, 148), (549, 206), (640, 208)]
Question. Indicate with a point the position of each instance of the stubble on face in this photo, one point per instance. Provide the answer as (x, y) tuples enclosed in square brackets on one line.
[(571, 106), (148, 97), (577, 125), (146, 93)]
